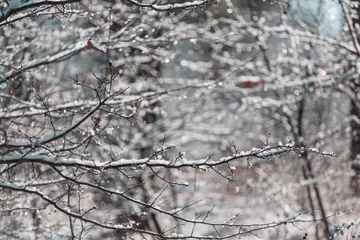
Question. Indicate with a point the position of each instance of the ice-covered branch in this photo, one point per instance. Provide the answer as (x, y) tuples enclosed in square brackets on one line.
[(168, 7)]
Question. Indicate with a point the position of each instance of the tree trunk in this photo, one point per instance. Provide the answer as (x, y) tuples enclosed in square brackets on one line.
[(355, 126), (355, 143)]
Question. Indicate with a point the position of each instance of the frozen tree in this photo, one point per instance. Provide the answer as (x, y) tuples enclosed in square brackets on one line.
[(167, 119)]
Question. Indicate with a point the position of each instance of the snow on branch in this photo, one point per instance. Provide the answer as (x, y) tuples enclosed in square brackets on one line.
[(26, 143), (36, 109), (243, 229), (154, 161), (16, 6), (168, 7), (56, 57), (55, 204)]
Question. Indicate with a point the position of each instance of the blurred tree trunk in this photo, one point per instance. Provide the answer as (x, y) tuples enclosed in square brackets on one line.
[(355, 117)]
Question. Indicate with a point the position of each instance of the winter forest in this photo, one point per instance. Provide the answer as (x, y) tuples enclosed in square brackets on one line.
[(179, 119)]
